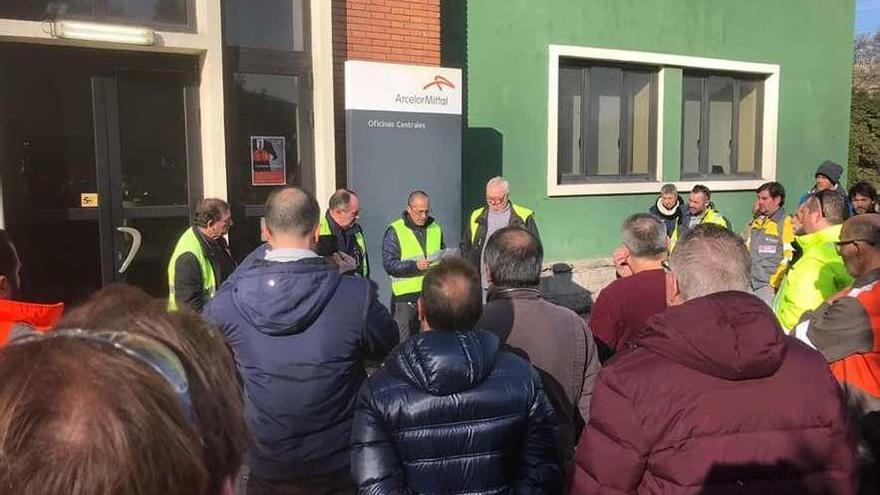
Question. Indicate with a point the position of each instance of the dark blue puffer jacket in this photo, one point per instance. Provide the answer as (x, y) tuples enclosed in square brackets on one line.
[(452, 414), (300, 332)]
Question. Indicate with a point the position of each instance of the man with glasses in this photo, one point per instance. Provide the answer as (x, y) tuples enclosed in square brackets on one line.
[(340, 234), (819, 272), (712, 398), (201, 260), (845, 329), (411, 244), (501, 212)]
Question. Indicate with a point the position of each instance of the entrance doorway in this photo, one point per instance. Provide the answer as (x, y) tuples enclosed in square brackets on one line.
[(100, 164)]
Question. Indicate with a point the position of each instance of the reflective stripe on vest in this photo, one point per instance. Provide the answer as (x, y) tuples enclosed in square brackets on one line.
[(189, 243), (411, 249), (358, 237), (520, 211)]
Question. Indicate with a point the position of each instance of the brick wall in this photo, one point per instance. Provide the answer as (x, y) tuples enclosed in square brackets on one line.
[(406, 31), (396, 31)]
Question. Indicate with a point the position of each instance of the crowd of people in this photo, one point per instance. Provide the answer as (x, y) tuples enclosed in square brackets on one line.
[(716, 362)]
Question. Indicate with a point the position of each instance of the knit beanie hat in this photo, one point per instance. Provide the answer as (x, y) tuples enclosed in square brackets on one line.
[(831, 170)]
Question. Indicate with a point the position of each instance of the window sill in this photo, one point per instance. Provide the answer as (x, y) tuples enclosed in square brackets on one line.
[(653, 187)]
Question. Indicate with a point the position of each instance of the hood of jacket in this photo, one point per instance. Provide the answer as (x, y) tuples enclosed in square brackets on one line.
[(284, 298), (731, 335), (443, 362)]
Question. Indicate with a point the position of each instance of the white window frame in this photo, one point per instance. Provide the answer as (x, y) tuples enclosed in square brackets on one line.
[(770, 72)]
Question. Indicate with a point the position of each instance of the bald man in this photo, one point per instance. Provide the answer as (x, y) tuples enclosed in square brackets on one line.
[(846, 330), (409, 244), (300, 332)]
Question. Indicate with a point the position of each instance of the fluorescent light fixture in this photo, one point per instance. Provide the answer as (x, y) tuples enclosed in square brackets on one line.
[(107, 33)]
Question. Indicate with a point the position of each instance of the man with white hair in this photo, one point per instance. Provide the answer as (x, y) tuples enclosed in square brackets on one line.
[(501, 212), (711, 399)]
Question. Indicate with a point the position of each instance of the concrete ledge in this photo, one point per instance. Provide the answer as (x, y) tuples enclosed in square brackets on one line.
[(578, 288)]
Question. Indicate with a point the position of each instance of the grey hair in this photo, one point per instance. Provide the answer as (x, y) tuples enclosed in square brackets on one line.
[(708, 260), (341, 199), (644, 235), (668, 189), (499, 181)]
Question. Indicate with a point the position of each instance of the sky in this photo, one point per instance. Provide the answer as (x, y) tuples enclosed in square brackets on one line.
[(867, 16)]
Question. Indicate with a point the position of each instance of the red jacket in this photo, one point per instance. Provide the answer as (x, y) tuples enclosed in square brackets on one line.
[(41, 317), (715, 399)]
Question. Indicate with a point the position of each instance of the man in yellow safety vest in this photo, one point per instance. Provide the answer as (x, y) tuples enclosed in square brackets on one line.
[(700, 210), (340, 232), (201, 260), (498, 213), (407, 250)]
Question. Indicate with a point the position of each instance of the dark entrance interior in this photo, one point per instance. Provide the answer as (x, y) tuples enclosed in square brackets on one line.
[(100, 163)]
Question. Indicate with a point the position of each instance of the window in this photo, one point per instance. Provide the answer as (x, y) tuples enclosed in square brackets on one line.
[(721, 125), (607, 129), (173, 15), (265, 24), (268, 92)]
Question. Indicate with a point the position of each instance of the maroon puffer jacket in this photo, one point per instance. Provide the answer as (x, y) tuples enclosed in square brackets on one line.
[(714, 398)]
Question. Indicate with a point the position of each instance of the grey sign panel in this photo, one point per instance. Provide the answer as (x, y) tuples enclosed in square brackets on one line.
[(392, 153)]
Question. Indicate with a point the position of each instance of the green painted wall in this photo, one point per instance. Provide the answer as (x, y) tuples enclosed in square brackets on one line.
[(505, 58)]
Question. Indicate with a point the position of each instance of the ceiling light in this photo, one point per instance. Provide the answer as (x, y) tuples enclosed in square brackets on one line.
[(106, 33)]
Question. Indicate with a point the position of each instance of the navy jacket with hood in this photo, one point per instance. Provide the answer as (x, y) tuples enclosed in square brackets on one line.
[(450, 413), (300, 332)]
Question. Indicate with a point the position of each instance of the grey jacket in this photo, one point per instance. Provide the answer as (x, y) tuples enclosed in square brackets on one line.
[(556, 341)]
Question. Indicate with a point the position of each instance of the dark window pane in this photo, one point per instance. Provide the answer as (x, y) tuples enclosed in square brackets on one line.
[(148, 11), (149, 268), (638, 98), (264, 24), (265, 106), (720, 93), (605, 103), (749, 126), (690, 129), (54, 158), (571, 84), (152, 128), (38, 10)]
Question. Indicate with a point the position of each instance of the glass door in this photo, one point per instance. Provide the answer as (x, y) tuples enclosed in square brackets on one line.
[(149, 152), (100, 163)]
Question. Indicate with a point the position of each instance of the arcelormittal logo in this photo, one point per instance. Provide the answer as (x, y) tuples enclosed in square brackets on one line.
[(439, 81)]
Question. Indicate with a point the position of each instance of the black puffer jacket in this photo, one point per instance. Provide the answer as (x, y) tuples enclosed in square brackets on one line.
[(450, 413)]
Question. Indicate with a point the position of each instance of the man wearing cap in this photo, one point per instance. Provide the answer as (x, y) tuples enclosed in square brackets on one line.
[(828, 177)]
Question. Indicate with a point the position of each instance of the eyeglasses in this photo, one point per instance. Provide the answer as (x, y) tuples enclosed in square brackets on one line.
[(496, 200), (159, 357), (838, 245)]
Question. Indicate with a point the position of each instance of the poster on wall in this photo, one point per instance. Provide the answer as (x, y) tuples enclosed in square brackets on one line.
[(268, 162)]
